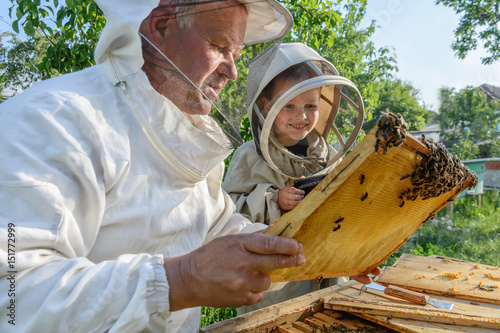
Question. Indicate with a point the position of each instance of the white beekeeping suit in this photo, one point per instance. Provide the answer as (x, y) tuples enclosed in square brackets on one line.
[(101, 177)]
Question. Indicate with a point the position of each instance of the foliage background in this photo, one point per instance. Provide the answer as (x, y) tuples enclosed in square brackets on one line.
[(61, 38)]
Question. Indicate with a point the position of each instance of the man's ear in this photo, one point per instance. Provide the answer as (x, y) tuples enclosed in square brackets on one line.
[(156, 23)]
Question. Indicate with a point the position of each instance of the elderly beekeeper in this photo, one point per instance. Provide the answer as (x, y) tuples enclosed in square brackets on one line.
[(110, 197)]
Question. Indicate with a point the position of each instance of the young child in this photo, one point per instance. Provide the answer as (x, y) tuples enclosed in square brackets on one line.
[(292, 115)]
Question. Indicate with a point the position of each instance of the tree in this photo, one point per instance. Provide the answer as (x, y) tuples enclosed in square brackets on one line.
[(401, 97), (70, 31), (18, 62), (332, 28), (480, 21), (468, 123)]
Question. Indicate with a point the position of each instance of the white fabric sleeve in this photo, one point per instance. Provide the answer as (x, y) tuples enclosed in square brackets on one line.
[(58, 289), (260, 205), (53, 196), (231, 222)]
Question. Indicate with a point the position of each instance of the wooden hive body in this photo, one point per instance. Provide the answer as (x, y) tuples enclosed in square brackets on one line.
[(355, 218)]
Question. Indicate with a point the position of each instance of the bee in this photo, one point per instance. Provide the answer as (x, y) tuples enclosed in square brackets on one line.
[(424, 157), (405, 176), (361, 179), (363, 198), (336, 227), (319, 279), (339, 220), (430, 217), (402, 203), (386, 135), (377, 144)]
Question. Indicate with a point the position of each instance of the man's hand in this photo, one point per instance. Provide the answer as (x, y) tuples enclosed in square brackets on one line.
[(230, 271), (289, 197), (365, 279)]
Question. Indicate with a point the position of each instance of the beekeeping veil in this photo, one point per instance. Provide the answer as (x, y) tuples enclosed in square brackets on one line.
[(267, 22), (341, 109)]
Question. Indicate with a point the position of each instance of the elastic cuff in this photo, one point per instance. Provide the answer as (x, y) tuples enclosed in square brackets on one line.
[(161, 287)]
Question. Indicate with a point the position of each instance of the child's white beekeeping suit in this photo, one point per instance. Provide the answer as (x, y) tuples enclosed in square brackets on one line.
[(261, 167)]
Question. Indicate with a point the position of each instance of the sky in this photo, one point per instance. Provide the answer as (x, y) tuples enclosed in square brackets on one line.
[(421, 33)]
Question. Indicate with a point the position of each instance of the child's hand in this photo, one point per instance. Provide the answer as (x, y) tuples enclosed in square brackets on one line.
[(289, 197)]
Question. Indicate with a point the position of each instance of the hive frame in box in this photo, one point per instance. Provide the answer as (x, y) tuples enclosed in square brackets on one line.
[(357, 217)]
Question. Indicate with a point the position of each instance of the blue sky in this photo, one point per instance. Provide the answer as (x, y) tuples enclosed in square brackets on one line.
[(421, 34)]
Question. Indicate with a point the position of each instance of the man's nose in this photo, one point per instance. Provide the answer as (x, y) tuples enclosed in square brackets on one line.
[(228, 67)]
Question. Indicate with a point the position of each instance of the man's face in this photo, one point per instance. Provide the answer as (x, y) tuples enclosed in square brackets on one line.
[(205, 53)]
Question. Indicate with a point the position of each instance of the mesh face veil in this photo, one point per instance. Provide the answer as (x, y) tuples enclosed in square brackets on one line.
[(304, 116), (211, 29)]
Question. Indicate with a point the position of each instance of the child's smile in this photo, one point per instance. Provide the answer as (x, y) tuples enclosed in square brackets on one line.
[(297, 118)]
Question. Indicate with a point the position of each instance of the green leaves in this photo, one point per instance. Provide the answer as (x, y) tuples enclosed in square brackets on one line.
[(401, 97), (468, 123), (69, 32), (18, 61), (470, 233), (333, 29), (480, 22)]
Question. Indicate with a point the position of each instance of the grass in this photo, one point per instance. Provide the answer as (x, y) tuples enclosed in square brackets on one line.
[(213, 315), (471, 232)]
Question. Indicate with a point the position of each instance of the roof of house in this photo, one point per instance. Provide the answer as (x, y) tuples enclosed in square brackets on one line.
[(492, 91)]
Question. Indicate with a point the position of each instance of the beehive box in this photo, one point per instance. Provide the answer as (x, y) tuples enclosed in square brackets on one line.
[(366, 208), (344, 308)]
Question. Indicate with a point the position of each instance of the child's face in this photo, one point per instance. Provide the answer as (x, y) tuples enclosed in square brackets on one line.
[(298, 117)]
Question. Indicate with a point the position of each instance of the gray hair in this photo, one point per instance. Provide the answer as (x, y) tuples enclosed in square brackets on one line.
[(185, 10)]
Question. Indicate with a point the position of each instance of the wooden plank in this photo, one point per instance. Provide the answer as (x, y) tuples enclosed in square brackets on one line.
[(460, 306), (296, 310), (323, 320), (339, 322), (355, 218), (411, 312), (445, 276), (413, 326), (288, 328), (315, 323), (327, 319), (362, 324), (302, 327), (333, 314), (265, 319)]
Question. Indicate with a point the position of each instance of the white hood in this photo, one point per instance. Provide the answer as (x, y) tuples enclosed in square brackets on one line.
[(267, 20), (120, 36), (341, 105)]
